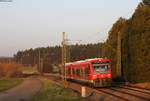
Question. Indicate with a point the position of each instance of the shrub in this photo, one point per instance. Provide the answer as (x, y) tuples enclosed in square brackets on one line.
[(10, 70)]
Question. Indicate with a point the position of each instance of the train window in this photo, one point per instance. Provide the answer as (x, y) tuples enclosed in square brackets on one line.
[(83, 72), (69, 70), (78, 72), (73, 71), (100, 68), (87, 71)]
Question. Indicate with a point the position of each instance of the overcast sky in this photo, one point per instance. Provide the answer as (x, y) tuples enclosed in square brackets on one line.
[(28, 24)]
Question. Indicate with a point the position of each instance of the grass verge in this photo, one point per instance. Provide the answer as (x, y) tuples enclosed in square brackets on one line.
[(54, 92), (7, 83)]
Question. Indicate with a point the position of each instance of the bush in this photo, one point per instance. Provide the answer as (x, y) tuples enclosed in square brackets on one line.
[(10, 70)]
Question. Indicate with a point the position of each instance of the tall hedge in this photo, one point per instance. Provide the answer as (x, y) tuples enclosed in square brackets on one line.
[(135, 45)]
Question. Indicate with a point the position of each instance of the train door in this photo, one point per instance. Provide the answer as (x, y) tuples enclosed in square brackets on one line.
[(69, 71), (87, 71), (73, 72), (90, 71), (83, 72)]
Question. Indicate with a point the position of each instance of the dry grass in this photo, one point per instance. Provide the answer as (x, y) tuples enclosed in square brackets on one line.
[(143, 85), (53, 92), (10, 70)]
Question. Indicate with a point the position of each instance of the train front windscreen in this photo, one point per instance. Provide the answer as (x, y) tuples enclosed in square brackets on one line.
[(101, 67)]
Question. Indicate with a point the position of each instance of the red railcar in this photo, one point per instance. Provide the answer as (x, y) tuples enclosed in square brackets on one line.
[(97, 71)]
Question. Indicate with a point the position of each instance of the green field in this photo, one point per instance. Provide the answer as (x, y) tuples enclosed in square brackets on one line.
[(7, 83), (53, 92), (29, 69)]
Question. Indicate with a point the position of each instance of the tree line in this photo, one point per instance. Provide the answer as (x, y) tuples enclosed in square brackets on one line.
[(53, 54)]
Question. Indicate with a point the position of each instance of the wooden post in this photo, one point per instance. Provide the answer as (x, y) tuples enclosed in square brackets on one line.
[(83, 91), (118, 69)]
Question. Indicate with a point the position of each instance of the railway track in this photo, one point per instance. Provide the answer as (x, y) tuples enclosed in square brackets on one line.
[(139, 88), (120, 93), (111, 94), (142, 90), (127, 94)]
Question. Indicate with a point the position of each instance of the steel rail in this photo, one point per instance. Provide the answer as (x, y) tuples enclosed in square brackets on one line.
[(144, 98), (106, 92), (134, 89)]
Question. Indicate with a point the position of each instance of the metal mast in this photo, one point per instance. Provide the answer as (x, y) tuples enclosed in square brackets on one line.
[(64, 55)]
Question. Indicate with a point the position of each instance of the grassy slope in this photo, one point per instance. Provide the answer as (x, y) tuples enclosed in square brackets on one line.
[(7, 83), (53, 92)]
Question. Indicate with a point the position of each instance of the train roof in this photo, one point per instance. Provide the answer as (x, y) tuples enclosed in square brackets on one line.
[(88, 60), (94, 59), (80, 61), (69, 63)]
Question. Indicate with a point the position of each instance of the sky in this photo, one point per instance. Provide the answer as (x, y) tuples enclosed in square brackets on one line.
[(26, 24)]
